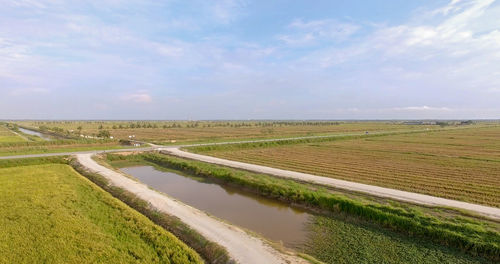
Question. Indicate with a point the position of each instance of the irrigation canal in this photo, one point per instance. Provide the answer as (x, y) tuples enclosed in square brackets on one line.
[(273, 220), (35, 133)]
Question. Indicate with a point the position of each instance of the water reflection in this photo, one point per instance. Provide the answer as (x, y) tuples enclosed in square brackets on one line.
[(274, 220), (35, 133)]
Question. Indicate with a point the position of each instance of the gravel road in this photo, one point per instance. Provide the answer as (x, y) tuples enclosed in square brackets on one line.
[(491, 212), (241, 246)]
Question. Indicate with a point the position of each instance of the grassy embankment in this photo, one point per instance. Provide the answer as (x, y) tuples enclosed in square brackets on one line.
[(210, 251), (6, 136), (51, 214), (55, 146), (467, 235), (460, 164)]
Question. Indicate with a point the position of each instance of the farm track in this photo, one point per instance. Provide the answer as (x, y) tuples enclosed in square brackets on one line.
[(241, 246), (467, 170), (423, 199), (448, 185)]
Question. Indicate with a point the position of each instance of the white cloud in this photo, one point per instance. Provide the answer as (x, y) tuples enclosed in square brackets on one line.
[(29, 91), (311, 32), (139, 97), (168, 50), (421, 108), (447, 54), (225, 11)]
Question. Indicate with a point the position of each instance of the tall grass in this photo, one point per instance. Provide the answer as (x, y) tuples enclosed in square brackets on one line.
[(470, 237)]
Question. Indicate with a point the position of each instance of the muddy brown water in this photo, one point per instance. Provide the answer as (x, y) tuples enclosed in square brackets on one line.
[(273, 220)]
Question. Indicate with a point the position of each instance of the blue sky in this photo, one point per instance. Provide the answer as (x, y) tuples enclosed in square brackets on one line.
[(238, 59)]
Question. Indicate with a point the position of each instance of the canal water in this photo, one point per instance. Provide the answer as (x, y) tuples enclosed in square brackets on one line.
[(273, 220), (35, 133)]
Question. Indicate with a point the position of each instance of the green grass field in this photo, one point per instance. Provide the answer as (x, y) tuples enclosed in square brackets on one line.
[(7, 136), (41, 149), (51, 214), (340, 240)]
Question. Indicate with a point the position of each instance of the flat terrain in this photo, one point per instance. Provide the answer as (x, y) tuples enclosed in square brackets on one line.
[(462, 164), (51, 214), (17, 143), (27, 148), (241, 247), (332, 238), (7, 136), (213, 131)]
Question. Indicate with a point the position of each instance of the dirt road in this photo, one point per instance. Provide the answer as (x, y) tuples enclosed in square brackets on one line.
[(241, 247), (417, 198)]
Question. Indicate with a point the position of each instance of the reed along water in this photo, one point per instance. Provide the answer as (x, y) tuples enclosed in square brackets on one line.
[(272, 219)]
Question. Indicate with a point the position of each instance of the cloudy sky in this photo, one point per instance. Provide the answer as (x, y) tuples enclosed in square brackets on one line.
[(242, 59)]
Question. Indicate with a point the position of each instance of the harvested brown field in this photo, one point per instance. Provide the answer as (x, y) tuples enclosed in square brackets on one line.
[(459, 164), (169, 132)]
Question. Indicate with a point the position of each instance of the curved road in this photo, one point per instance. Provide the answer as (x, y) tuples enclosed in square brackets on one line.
[(417, 198)]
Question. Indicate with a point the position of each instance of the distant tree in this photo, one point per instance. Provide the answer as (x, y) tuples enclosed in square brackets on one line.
[(104, 134), (442, 124), (100, 127), (468, 122)]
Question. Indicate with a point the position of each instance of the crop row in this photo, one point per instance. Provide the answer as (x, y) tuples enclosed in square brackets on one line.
[(435, 180), (376, 176), (364, 166)]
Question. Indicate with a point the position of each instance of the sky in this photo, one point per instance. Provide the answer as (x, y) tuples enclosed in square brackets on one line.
[(242, 59)]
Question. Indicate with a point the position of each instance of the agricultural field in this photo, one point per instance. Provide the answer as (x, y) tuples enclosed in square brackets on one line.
[(350, 232), (461, 164), (7, 136), (168, 132), (51, 214), (16, 142)]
